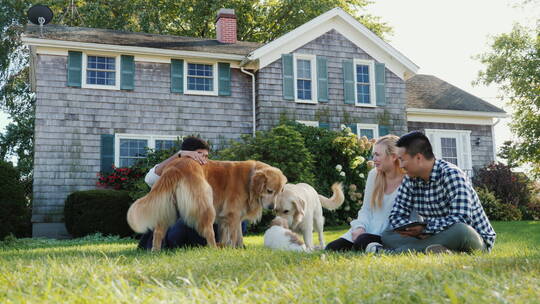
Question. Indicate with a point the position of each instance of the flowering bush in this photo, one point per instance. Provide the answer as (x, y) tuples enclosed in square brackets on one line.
[(119, 178), (315, 156)]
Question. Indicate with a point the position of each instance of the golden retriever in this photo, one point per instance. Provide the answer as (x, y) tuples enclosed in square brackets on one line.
[(300, 204), (223, 191)]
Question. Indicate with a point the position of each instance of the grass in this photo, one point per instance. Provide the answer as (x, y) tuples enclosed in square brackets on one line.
[(111, 270)]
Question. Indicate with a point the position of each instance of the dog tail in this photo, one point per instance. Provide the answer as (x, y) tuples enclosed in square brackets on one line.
[(336, 200), (156, 207)]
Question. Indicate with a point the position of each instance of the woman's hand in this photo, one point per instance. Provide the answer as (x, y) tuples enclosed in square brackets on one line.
[(197, 156), (357, 232)]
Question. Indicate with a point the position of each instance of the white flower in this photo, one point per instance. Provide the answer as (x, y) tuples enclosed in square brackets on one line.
[(338, 168), (361, 175), (342, 174)]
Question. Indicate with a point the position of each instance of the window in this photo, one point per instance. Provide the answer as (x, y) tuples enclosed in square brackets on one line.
[(453, 146), (201, 78), (131, 150), (364, 82), (101, 71), (305, 78), (131, 147), (449, 150), (368, 130)]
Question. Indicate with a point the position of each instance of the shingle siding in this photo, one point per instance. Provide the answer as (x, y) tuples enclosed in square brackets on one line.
[(481, 154), (335, 47), (70, 121)]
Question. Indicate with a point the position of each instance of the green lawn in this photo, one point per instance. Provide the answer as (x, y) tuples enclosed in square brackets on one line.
[(101, 270)]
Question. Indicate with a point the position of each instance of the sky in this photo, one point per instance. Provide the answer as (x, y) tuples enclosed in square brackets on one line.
[(442, 36)]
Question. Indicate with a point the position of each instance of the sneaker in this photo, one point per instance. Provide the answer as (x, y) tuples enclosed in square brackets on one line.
[(437, 249), (375, 248)]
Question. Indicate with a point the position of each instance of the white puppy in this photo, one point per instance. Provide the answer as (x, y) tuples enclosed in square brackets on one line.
[(278, 236), (302, 206)]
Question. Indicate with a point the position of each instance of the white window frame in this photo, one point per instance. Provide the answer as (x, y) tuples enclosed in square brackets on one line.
[(117, 71), (313, 62), (309, 123), (150, 138), (463, 137), (215, 76), (374, 127), (372, 89)]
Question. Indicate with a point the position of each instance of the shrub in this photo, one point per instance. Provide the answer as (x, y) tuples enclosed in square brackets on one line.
[(93, 211), (509, 187), (15, 210), (495, 209), (311, 155)]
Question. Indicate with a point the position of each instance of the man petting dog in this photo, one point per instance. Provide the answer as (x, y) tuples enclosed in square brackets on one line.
[(454, 219), (180, 234)]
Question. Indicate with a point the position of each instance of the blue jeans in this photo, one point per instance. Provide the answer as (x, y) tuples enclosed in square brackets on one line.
[(180, 235)]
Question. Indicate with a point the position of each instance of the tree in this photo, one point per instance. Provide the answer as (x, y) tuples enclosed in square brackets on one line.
[(258, 21), (514, 63)]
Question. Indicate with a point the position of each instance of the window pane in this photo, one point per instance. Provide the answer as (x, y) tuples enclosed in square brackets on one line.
[(162, 144), (304, 89), (131, 150), (449, 150), (362, 73), (200, 77), (367, 133), (100, 70), (303, 69), (362, 92)]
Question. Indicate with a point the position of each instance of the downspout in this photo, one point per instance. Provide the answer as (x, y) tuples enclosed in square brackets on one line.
[(493, 139), (244, 62)]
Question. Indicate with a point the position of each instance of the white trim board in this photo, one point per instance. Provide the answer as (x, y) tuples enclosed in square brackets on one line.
[(131, 50), (346, 25)]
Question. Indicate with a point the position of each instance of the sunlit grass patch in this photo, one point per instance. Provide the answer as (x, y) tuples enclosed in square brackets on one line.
[(111, 270)]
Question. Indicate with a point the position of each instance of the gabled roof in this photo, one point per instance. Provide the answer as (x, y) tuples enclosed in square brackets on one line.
[(429, 92), (143, 40), (346, 25)]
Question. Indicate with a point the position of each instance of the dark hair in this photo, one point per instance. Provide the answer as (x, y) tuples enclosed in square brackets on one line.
[(416, 142), (193, 143)]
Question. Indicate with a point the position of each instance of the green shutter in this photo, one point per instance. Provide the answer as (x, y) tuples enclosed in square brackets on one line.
[(224, 75), (380, 84), (348, 82), (107, 152), (384, 130), (353, 127), (127, 72), (74, 69), (288, 76), (177, 76), (324, 125), (322, 79)]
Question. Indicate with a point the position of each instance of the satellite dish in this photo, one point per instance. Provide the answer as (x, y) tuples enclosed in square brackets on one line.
[(40, 14)]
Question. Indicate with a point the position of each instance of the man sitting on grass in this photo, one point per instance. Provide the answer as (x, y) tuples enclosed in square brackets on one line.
[(454, 219)]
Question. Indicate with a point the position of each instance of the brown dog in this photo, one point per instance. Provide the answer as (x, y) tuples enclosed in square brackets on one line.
[(223, 191)]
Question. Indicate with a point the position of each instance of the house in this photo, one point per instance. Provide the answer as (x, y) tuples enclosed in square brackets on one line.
[(103, 96)]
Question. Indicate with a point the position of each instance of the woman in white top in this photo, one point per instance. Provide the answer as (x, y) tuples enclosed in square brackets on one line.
[(381, 189)]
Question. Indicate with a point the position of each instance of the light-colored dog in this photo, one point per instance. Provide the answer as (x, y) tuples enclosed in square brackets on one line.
[(302, 206), (222, 191), (279, 237)]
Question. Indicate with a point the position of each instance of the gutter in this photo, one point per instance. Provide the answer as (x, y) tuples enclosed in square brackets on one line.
[(493, 139), (242, 64)]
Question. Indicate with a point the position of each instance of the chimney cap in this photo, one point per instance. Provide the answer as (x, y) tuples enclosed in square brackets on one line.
[(226, 13)]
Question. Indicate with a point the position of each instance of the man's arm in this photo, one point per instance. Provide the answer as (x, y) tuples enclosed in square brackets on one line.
[(400, 214), (191, 154)]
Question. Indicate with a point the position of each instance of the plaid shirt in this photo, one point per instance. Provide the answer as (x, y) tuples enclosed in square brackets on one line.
[(447, 198)]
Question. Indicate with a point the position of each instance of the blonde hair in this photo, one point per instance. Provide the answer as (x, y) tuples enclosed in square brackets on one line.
[(389, 141)]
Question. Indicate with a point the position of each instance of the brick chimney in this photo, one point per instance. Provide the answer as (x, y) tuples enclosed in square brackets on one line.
[(226, 26)]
